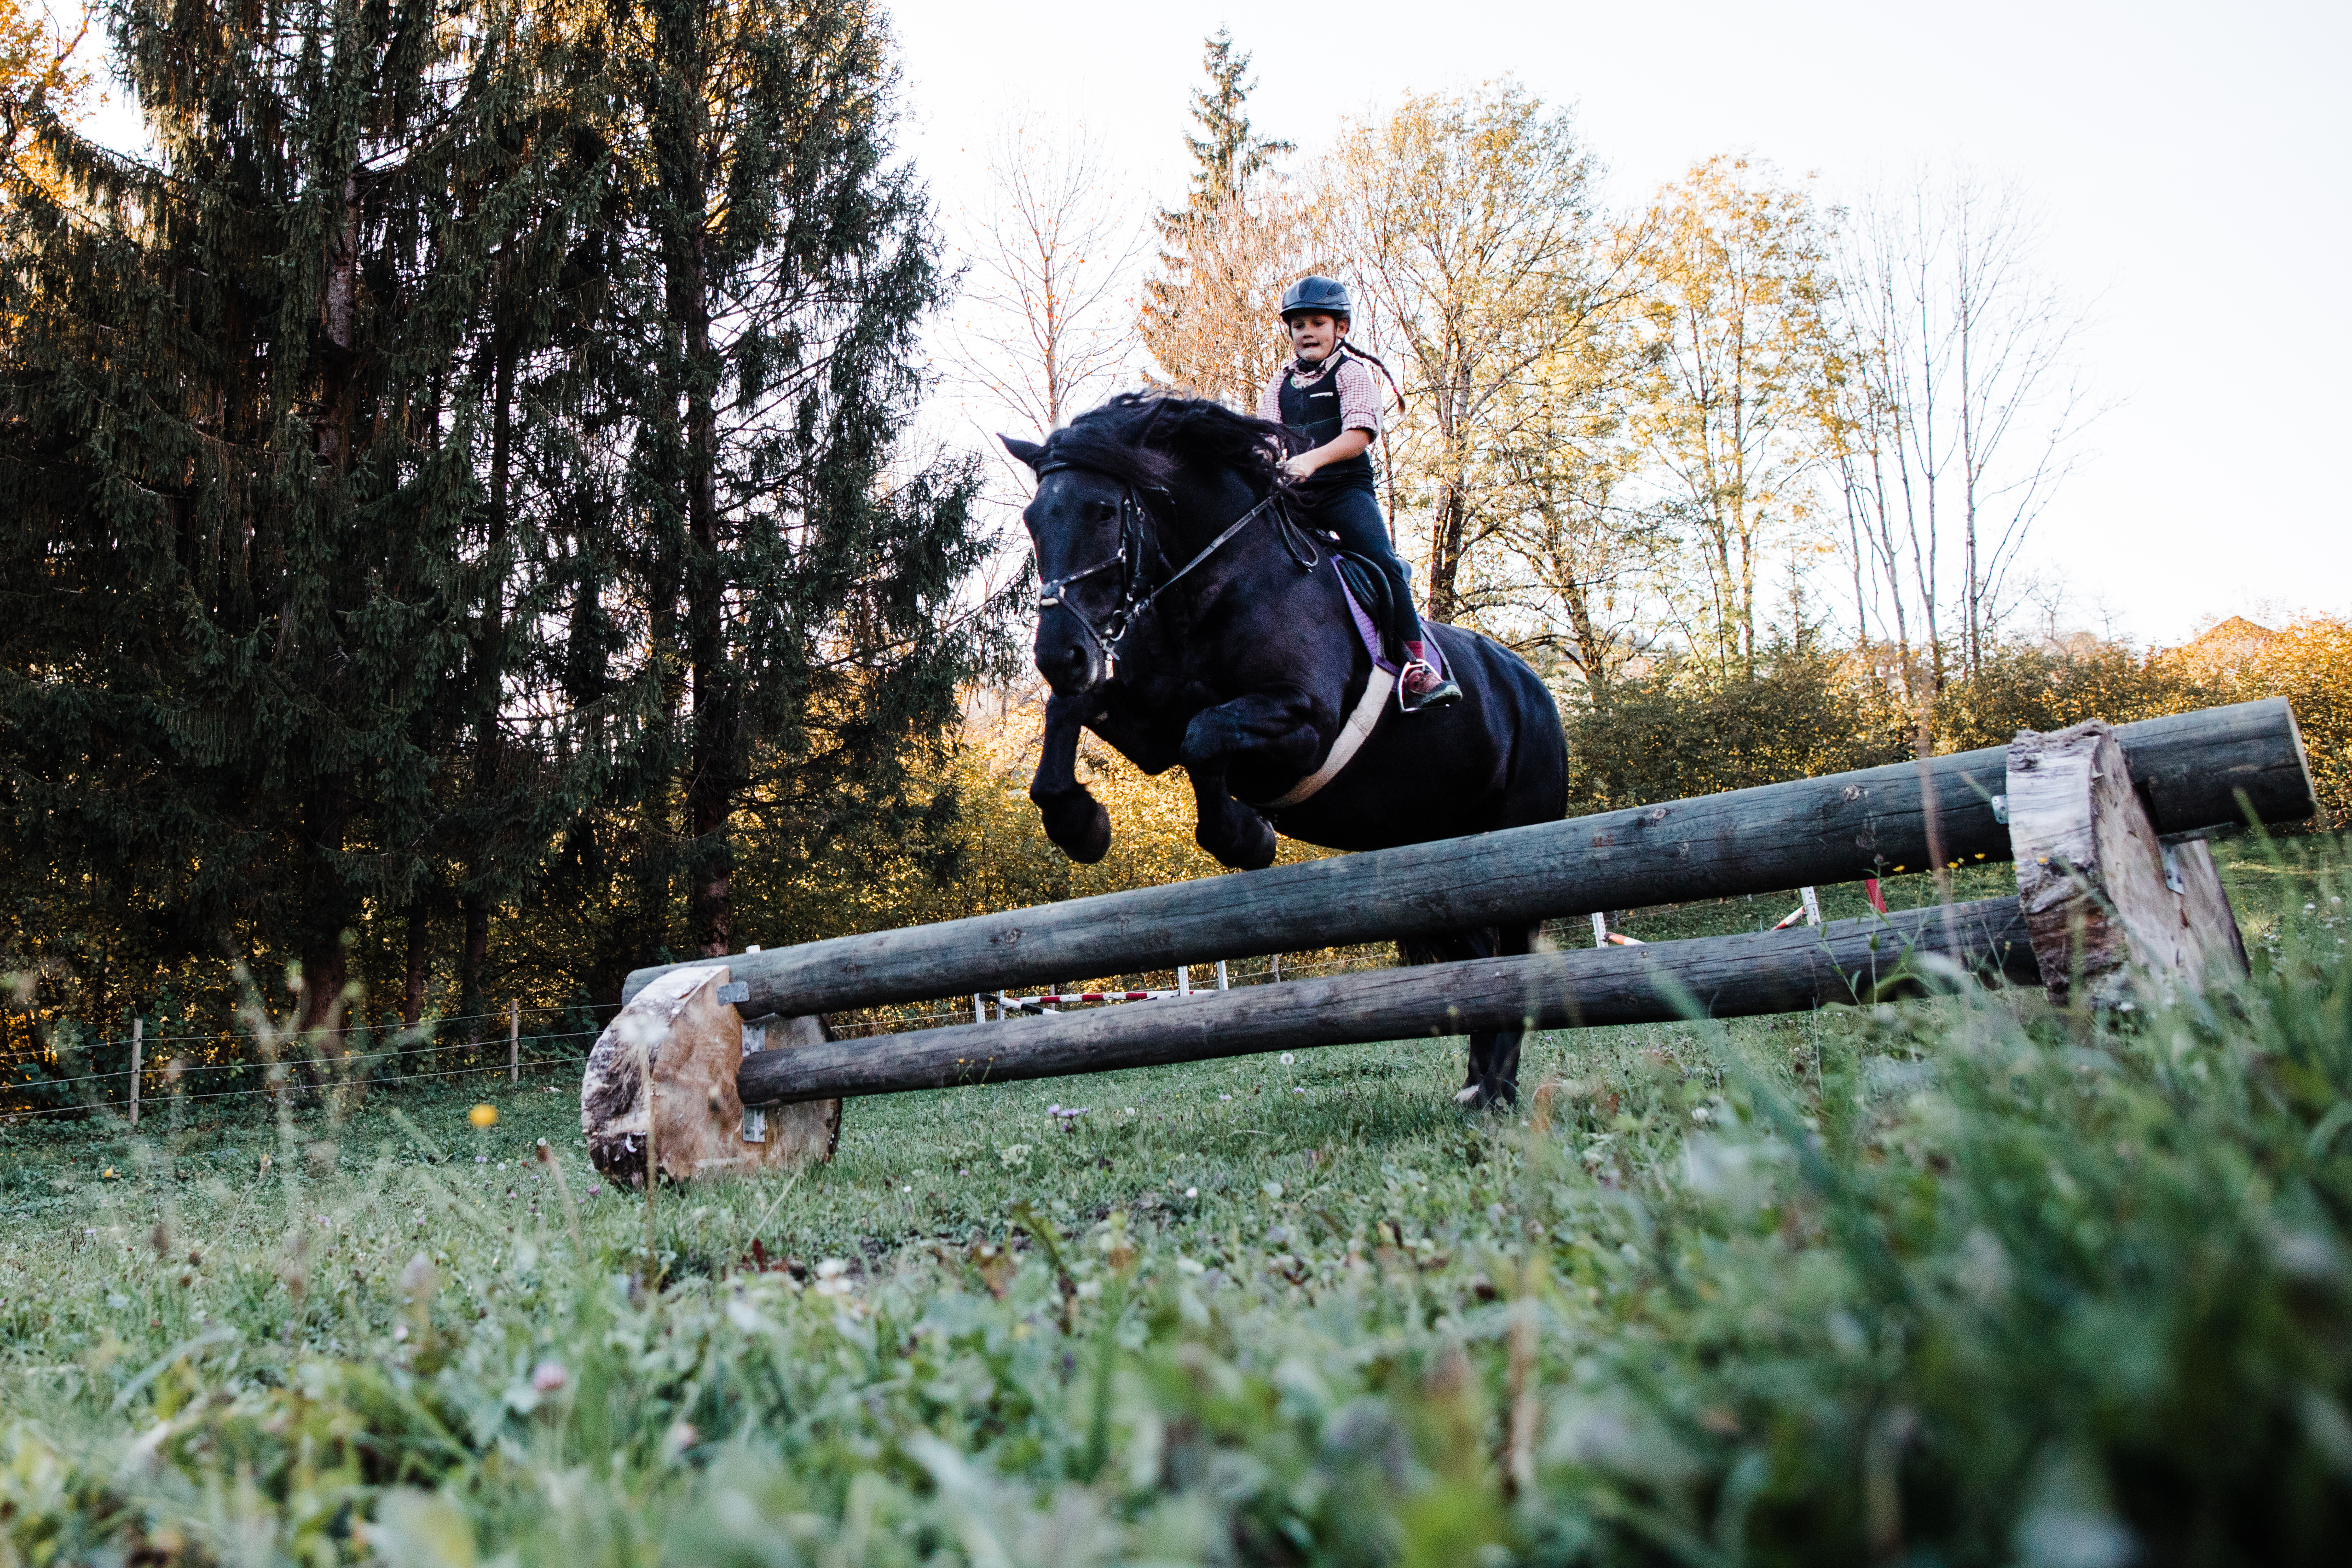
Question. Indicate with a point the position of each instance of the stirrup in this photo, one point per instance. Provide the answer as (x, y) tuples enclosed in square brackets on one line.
[(1439, 694)]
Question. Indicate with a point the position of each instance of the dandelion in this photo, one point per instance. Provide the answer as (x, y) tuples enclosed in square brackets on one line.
[(1287, 1058), (110, 1174), (1192, 1192), (484, 1116)]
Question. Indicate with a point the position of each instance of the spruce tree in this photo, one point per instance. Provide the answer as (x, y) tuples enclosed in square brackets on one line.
[(245, 561), (1227, 156), (798, 579)]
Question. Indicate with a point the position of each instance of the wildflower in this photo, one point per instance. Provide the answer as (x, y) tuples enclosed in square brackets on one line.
[(1192, 1192), (833, 1278), (548, 1376), (1287, 1058), (484, 1116), (1013, 1155), (110, 1174)]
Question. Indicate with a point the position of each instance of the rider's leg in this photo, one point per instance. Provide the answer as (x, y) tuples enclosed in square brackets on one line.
[(1355, 516)]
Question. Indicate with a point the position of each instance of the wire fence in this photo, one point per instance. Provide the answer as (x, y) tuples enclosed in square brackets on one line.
[(65, 1073), (312, 1063)]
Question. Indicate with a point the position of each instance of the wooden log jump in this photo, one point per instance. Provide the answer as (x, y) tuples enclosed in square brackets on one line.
[(2117, 895), (1810, 832), (1724, 977)]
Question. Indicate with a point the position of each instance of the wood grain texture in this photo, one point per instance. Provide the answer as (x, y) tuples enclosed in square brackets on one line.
[(1811, 832), (1775, 971), (2096, 882)]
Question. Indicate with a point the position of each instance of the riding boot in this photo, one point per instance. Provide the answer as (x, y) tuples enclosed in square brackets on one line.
[(1420, 684)]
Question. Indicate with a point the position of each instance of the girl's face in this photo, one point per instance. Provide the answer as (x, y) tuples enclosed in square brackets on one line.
[(1314, 335)]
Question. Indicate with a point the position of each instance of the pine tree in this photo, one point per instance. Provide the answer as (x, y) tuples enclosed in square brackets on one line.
[(1227, 155), (245, 561), (799, 584), (1197, 240)]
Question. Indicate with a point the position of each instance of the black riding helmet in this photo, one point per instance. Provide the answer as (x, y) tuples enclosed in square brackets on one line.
[(1323, 296)]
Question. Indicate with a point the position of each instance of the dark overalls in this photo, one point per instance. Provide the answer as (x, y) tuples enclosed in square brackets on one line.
[(1338, 497)]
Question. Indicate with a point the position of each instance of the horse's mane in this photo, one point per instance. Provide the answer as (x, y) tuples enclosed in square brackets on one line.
[(1142, 438)]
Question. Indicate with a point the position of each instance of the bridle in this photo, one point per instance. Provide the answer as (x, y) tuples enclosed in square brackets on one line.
[(1136, 537)]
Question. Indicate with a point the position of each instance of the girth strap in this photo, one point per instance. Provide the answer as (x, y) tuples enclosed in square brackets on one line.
[(1360, 727)]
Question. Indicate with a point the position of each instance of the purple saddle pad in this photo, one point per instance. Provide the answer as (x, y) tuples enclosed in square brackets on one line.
[(1370, 632)]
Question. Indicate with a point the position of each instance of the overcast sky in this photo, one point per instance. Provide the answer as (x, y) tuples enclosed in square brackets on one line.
[(2190, 161)]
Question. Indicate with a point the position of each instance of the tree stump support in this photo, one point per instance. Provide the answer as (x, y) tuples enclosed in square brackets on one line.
[(2116, 915), (686, 1025)]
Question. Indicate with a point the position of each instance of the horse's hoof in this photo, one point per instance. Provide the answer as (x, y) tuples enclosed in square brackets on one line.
[(1079, 824), (1251, 849), (1487, 1095)]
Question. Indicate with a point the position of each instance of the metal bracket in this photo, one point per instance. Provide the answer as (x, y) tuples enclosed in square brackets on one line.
[(735, 991), (2001, 809), (755, 1117)]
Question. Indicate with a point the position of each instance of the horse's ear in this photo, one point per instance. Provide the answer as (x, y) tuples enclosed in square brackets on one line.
[(1027, 451)]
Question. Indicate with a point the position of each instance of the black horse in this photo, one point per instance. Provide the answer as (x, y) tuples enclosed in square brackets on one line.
[(1184, 619)]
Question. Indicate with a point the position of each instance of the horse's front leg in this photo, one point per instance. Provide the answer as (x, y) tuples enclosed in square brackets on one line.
[(1275, 725), (1074, 818)]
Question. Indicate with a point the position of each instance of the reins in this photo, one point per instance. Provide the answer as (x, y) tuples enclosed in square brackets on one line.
[(1133, 600)]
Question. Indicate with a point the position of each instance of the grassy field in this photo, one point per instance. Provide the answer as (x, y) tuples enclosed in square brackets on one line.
[(1965, 1279)]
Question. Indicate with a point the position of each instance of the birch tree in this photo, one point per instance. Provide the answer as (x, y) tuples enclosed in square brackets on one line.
[(1566, 459), (1468, 221), (1955, 416), (1044, 325), (1740, 282)]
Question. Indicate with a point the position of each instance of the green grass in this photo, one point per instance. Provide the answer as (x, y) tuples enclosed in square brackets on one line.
[(1958, 1280)]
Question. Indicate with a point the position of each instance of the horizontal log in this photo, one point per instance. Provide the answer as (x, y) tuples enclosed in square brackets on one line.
[(1808, 833), (1722, 977)]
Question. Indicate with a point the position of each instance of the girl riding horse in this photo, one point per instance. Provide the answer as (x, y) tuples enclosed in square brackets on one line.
[(1326, 402)]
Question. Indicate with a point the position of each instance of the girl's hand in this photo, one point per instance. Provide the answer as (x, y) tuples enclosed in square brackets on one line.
[(1301, 467)]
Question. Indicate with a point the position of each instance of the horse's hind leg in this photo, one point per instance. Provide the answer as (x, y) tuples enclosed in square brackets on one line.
[(1494, 1076)]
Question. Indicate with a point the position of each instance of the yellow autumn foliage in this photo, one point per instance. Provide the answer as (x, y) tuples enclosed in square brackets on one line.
[(2309, 663)]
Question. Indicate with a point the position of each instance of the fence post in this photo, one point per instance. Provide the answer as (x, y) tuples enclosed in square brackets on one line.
[(1221, 975), (1183, 979), (138, 1028), (1600, 931), (514, 1042)]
